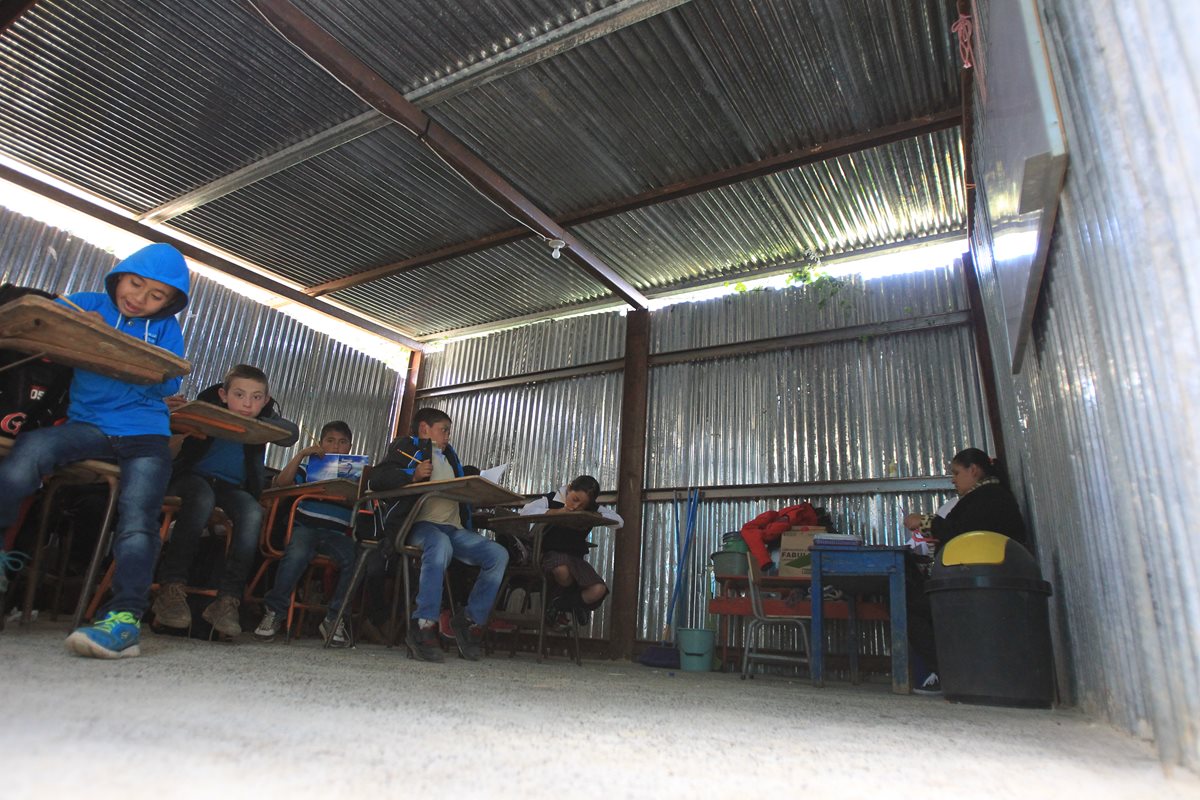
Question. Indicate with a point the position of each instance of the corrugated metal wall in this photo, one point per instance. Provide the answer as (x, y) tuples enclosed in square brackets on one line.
[(887, 406), (1102, 411), (314, 378)]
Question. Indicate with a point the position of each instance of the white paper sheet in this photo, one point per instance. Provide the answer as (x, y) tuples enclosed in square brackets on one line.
[(493, 474)]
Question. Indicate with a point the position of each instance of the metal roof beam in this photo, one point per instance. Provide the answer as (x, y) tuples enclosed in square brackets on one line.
[(336, 58), (567, 37), (11, 11), (858, 142), (195, 253)]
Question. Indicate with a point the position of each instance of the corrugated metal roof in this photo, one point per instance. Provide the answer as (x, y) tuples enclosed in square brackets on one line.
[(144, 103)]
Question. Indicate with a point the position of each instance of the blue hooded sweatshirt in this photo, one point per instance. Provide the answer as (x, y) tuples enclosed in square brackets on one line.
[(114, 406)]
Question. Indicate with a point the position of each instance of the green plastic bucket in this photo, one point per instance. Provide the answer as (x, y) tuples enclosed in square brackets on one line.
[(695, 649)]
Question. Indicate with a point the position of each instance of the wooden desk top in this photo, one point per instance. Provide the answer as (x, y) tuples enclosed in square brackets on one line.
[(221, 423), (471, 489), (37, 325), (582, 520), (340, 488)]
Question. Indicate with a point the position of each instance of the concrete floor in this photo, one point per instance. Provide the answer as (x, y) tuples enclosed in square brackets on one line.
[(198, 719)]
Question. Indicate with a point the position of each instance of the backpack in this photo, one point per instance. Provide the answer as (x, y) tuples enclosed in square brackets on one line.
[(33, 391)]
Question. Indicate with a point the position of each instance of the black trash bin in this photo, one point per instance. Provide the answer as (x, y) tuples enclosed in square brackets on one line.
[(991, 623)]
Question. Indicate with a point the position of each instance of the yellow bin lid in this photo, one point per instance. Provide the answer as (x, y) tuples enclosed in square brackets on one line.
[(976, 547)]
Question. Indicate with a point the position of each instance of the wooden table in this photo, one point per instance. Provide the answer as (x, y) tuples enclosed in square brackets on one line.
[(856, 569), (207, 419), (472, 489), (44, 328)]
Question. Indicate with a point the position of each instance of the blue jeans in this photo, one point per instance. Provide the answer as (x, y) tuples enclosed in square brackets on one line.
[(145, 463), (199, 495), (439, 544), (307, 542)]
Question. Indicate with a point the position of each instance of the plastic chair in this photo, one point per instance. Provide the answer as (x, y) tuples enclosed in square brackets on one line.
[(761, 620)]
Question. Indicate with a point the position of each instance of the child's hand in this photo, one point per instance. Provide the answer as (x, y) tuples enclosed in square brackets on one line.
[(174, 402), (423, 471), (314, 450)]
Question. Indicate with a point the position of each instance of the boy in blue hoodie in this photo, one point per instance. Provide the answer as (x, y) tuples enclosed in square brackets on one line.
[(110, 419)]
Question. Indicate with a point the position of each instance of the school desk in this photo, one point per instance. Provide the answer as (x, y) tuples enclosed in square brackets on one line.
[(45, 329), (478, 492), (335, 490), (218, 422), (531, 528)]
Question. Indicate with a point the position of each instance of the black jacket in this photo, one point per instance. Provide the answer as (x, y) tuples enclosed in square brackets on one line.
[(988, 507), (563, 539), (396, 470), (255, 454)]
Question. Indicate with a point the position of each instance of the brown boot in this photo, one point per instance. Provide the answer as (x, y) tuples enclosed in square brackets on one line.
[(171, 608), (222, 614)]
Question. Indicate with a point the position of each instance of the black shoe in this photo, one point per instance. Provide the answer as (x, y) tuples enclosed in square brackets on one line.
[(467, 636), (582, 615), (423, 642)]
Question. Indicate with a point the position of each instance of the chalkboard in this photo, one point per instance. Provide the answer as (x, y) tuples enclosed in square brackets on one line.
[(1019, 157)]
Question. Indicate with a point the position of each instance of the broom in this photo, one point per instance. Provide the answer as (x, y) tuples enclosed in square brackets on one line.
[(664, 654)]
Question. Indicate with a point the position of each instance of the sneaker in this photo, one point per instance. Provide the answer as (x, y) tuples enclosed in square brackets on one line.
[(337, 637), (931, 686), (171, 607), (582, 615), (423, 642), (468, 637), (115, 636), (222, 614), (270, 625)]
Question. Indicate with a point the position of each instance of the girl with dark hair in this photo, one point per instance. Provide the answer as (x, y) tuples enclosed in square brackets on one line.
[(564, 549)]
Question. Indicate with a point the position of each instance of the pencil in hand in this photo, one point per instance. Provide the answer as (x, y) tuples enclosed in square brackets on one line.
[(69, 302)]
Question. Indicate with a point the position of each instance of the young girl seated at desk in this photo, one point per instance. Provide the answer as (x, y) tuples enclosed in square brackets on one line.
[(581, 589)]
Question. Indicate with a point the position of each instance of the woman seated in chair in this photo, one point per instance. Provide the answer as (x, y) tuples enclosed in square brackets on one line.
[(984, 503), (580, 588)]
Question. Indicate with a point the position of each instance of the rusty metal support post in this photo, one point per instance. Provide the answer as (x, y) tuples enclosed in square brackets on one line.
[(631, 472)]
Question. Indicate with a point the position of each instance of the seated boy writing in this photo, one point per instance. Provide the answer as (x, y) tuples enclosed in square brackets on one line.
[(319, 527), (443, 531), (219, 472), (581, 589), (110, 419)]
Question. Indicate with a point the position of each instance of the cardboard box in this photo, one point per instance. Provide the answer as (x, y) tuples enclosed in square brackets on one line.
[(794, 560), (334, 466)]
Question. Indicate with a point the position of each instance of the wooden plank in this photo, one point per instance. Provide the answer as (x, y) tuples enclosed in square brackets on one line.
[(37, 325), (206, 419), (339, 488), (832, 609), (471, 489), (581, 520)]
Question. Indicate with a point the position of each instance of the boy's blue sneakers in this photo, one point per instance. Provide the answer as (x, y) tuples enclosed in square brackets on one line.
[(115, 636)]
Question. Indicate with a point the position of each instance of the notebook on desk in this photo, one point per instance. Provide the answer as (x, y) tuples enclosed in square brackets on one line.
[(335, 466)]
